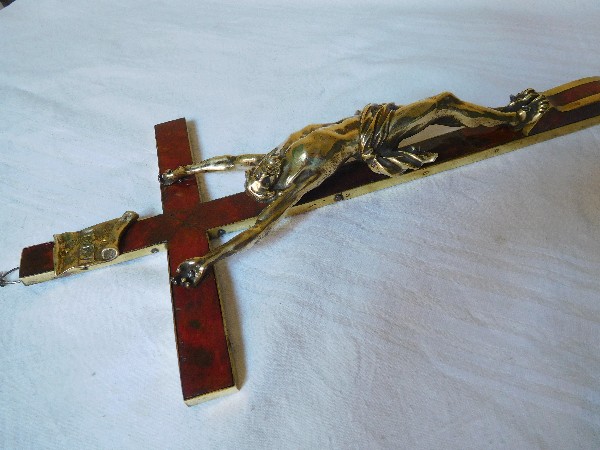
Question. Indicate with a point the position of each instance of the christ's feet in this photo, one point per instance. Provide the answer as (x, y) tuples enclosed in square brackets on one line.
[(529, 107)]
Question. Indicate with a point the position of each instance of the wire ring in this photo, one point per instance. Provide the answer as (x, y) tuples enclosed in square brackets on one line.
[(4, 275)]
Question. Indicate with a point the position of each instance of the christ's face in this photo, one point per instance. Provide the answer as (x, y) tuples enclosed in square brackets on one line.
[(261, 179)]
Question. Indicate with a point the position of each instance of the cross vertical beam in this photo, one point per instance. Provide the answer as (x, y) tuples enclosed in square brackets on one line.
[(204, 364)]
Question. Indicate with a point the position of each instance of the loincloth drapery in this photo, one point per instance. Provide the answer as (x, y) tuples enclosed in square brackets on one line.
[(379, 150)]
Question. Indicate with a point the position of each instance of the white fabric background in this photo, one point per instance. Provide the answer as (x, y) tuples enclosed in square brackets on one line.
[(458, 311)]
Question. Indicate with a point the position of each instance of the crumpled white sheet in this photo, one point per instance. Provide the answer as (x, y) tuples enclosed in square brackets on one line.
[(458, 311)]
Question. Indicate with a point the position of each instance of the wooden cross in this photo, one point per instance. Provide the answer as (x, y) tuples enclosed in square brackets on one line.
[(187, 224)]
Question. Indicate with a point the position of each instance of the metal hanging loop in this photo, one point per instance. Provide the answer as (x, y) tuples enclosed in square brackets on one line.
[(4, 275)]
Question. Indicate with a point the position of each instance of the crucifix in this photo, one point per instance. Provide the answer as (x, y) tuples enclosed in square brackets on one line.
[(318, 165)]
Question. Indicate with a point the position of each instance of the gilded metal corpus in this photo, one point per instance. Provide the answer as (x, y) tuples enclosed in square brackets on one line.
[(94, 246), (309, 156)]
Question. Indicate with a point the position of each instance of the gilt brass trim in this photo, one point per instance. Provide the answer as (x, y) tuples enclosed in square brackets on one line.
[(95, 246), (567, 86)]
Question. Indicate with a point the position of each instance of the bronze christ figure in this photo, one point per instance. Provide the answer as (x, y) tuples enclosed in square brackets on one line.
[(374, 135)]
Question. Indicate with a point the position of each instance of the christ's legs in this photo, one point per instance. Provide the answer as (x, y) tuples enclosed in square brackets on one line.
[(446, 109)]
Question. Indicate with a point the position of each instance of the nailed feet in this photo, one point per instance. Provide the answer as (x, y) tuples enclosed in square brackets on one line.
[(529, 106)]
